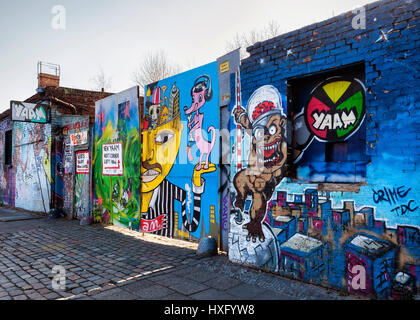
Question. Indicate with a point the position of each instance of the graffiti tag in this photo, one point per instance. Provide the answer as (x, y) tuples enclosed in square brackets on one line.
[(336, 109), (403, 209), (393, 197), (152, 225), (29, 112)]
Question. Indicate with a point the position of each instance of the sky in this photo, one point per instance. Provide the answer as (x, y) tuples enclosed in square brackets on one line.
[(114, 36)]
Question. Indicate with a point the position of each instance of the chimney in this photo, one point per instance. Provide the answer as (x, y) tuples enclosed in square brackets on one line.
[(48, 75)]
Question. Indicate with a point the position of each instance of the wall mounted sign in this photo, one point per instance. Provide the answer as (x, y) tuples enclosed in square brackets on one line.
[(78, 138), (336, 109), (112, 159), (29, 112), (224, 67), (82, 162)]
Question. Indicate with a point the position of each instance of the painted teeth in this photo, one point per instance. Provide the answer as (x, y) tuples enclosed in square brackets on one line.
[(274, 146)]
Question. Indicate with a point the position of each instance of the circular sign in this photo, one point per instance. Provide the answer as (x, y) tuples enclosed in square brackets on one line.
[(336, 109)]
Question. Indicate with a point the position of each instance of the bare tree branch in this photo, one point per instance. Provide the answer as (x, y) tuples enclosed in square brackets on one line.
[(155, 66), (245, 40), (101, 82)]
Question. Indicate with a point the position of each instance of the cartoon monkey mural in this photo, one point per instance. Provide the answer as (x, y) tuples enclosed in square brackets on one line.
[(264, 117)]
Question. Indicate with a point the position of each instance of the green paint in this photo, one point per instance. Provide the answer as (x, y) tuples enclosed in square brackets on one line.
[(120, 194), (354, 101)]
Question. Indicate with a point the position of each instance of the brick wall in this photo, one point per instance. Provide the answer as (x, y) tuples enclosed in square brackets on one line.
[(389, 49)]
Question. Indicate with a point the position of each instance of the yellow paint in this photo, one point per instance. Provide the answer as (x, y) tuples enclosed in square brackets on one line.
[(53, 247), (224, 67), (212, 216), (46, 164), (183, 234), (336, 89), (197, 174), (161, 147), (145, 197), (163, 115)]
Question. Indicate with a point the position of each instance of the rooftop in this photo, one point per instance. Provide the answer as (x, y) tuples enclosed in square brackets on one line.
[(4, 114), (69, 100)]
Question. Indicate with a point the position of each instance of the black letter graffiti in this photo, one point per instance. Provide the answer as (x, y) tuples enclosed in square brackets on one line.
[(393, 196), (403, 209), (390, 195)]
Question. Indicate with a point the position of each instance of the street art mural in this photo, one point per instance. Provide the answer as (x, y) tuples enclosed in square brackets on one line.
[(31, 155), (327, 130), (361, 242), (7, 175), (116, 160), (336, 109), (267, 155), (179, 175)]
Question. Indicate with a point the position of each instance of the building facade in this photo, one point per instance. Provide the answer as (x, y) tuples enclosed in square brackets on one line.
[(47, 143), (325, 156)]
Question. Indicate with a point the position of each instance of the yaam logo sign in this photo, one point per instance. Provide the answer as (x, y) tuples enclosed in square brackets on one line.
[(336, 109), (29, 112)]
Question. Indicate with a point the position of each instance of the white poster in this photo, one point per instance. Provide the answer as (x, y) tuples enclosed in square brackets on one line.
[(78, 138), (112, 160), (82, 162)]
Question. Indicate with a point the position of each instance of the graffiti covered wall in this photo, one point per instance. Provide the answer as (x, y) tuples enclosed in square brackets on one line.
[(325, 182), (116, 160), (31, 157), (180, 175), (7, 176), (71, 191)]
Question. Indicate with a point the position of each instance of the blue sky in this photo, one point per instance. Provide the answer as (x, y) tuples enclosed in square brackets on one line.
[(115, 35)]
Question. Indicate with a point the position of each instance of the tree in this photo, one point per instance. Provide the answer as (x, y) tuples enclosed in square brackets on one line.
[(245, 40), (101, 82), (155, 66)]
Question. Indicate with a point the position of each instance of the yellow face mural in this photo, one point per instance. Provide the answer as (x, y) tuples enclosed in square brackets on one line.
[(160, 149)]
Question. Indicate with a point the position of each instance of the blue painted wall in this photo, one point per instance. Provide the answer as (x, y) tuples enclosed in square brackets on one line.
[(384, 205), (180, 172)]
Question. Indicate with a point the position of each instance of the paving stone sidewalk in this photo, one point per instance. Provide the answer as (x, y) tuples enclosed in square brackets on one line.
[(110, 263)]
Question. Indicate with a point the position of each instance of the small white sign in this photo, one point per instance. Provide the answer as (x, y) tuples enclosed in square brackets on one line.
[(82, 162), (112, 160)]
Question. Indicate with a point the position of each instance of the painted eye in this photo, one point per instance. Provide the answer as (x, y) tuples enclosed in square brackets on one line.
[(272, 130), (163, 137), (200, 99)]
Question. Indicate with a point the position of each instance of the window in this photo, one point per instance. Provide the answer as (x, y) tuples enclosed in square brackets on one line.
[(336, 151), (8, 148), (328, 132)]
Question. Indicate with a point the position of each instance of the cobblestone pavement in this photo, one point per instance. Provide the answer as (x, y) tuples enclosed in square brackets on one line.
[(110, 263)]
